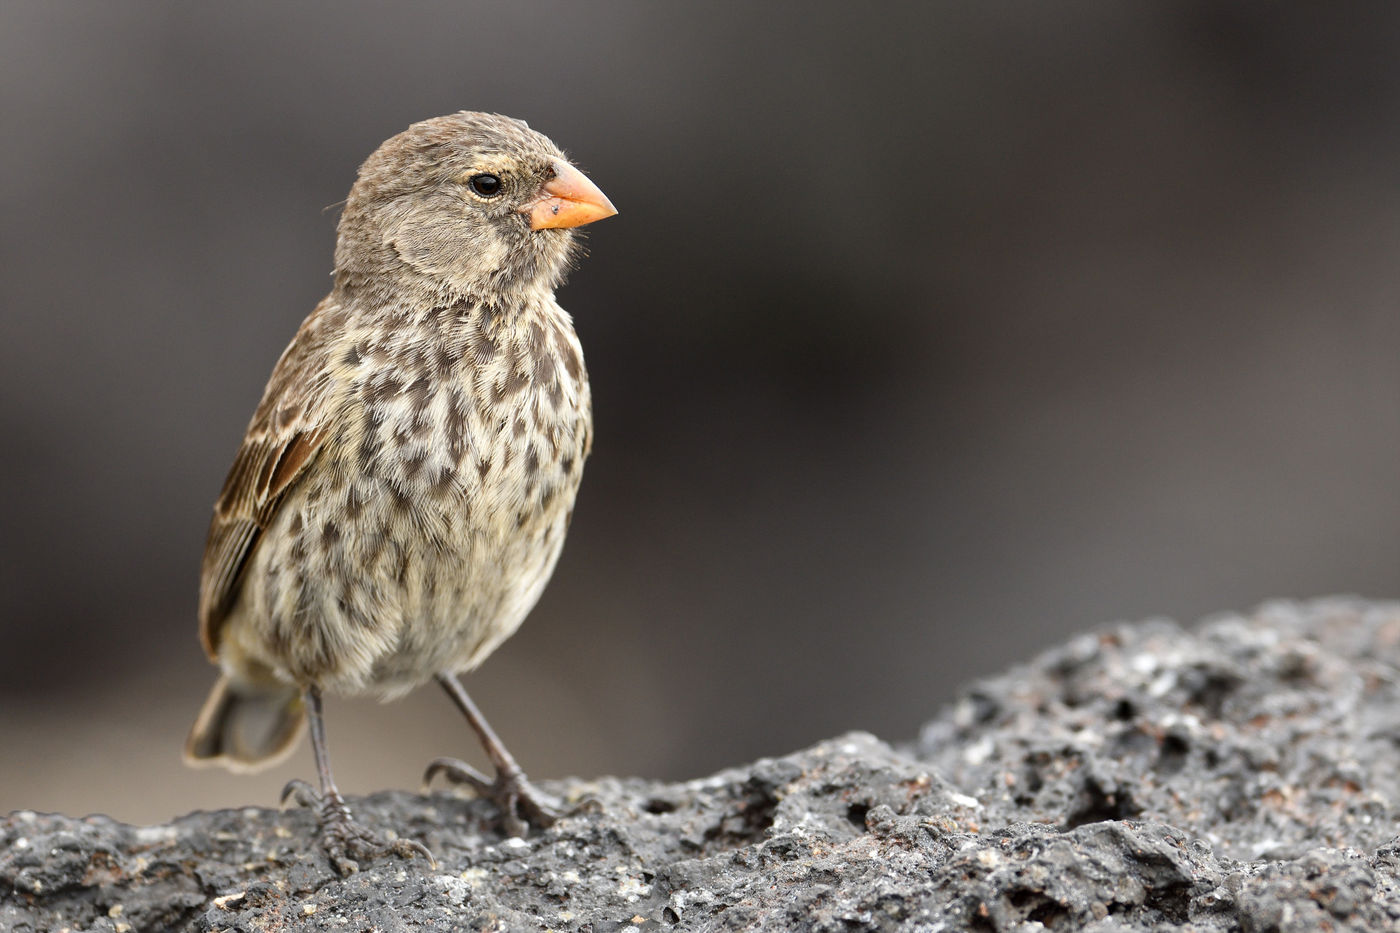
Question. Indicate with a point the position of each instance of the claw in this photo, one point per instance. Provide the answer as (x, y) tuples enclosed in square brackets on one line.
[(346, 842), (300, 793), (521, 804), (458, 772)]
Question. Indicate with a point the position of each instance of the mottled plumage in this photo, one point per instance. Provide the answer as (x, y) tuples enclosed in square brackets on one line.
[(403, 490)]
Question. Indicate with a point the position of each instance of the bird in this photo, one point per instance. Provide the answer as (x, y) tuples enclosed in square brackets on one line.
[(402, 492)]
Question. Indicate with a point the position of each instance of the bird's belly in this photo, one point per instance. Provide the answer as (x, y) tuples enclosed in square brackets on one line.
[(455, 603), (388, 572)]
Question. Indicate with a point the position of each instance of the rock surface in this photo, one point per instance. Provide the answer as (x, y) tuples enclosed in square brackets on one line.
[(1244, 775)]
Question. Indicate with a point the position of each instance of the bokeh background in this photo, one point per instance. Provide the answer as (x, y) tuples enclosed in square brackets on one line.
[(926, 336)]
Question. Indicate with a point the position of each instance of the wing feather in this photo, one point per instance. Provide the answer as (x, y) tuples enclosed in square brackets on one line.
[(282, 440)]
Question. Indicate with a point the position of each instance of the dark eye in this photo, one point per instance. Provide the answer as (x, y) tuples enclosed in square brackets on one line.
[(485, 184)]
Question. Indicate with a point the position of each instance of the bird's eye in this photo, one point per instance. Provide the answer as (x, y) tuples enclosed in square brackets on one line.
[(485, 184)]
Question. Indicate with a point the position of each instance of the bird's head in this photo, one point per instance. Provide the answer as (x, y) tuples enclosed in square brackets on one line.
[(472, 203)]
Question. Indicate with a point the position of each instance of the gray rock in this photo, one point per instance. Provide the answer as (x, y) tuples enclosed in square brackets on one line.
[(1241, 776)]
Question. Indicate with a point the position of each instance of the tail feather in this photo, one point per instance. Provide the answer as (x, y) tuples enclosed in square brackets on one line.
[(245, 727)]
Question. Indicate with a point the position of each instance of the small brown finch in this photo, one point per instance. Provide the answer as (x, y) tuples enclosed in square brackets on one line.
[(404, 487)]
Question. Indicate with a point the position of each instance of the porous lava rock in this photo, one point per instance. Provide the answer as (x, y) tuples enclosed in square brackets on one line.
[(1241, 775)]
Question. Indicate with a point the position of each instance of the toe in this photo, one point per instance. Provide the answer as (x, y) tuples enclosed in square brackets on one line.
[(300, 793), (459, 772)]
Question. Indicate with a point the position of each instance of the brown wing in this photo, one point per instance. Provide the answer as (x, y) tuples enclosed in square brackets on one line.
[(282, 440)]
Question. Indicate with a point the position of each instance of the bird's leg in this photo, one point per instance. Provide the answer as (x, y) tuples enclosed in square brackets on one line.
[(345, 841), (520, 802)]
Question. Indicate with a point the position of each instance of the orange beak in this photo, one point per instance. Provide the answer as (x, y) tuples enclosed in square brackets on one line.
[(568, 199)]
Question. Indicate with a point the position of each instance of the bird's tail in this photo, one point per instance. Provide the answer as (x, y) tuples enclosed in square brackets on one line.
[(246, 727)]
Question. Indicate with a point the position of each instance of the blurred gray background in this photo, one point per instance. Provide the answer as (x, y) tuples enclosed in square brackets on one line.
[(926, 336)]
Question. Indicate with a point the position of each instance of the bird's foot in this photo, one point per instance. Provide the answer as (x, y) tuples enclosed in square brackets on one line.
[(346, 842), (521, 803)]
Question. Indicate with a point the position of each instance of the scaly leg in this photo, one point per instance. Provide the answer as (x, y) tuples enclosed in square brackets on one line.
[(520, 802), (345, 841)]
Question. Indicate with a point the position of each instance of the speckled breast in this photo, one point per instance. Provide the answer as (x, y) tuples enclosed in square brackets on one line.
[(461, 446)]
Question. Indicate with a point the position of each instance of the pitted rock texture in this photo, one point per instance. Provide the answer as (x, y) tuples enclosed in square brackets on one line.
[(1266, 736), (1243, 775)]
